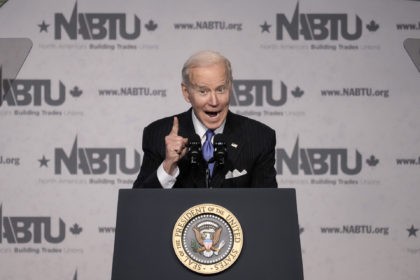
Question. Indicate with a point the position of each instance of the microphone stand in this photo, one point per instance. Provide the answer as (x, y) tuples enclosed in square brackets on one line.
[(208, 177), (219, 156), (196, 158)]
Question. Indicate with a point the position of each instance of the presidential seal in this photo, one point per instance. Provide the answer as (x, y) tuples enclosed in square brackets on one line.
[(207, 238)]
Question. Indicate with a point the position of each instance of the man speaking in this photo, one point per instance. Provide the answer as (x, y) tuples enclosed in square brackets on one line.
[(207, 146)]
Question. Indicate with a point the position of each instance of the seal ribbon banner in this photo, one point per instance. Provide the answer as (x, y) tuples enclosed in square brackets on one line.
[(207, 238)]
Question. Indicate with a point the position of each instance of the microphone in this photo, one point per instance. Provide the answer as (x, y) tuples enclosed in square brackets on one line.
[(194, 149), (220, 149)]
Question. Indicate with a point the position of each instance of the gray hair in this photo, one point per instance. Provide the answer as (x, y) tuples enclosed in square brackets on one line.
[(202, 59)]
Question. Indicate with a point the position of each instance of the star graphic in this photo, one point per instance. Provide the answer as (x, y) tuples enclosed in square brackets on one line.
[(43, 161), (265, 27), (412, 231), (43, 26)]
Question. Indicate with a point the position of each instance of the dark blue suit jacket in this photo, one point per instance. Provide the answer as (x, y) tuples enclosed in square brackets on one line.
[(250, 151)]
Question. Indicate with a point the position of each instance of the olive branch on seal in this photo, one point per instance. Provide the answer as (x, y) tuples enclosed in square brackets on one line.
[(194, 246)]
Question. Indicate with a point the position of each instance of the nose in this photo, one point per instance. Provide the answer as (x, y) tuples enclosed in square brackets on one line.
[(213, 99)]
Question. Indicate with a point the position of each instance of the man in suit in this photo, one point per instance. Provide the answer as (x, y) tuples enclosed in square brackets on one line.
[(250, 157)]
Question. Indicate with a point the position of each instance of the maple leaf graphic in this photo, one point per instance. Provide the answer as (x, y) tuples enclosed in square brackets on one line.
[(76, 92), (372, 26), (151, 25), (372, 161), (76, 229), (297, 92)]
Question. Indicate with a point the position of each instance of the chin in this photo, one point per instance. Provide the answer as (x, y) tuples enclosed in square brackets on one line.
[(212, 124)]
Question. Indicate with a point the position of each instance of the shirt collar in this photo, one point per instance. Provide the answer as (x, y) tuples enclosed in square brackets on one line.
[(201, 129)]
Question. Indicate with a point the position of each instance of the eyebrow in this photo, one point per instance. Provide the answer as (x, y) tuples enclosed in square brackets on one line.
[(206, 87)]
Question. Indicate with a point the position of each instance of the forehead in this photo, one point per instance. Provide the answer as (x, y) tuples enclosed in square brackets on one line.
[(210, 75)]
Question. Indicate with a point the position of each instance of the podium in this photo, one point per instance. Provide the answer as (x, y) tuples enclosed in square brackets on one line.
[(147, 221)]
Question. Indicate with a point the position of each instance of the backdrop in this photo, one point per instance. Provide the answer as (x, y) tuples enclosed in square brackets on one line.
[(333, 78)]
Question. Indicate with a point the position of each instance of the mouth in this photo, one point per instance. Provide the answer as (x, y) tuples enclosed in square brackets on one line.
[(212, 114)]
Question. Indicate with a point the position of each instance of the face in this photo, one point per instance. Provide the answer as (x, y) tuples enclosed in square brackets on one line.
[(208, 94)]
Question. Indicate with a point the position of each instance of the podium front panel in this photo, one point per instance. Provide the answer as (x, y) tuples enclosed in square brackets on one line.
[(146, 218)]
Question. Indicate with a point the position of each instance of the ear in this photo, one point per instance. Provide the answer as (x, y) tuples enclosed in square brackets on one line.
[(185, 92)]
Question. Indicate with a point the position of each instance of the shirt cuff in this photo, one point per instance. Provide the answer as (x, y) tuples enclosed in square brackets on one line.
[(167, 180)]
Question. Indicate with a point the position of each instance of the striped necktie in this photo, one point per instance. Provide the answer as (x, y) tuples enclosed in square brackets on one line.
[(208, 150)]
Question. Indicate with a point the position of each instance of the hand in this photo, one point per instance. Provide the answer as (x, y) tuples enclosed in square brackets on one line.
[(175, 148)]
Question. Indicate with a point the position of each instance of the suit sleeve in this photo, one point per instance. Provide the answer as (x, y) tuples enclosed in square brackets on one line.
[(152, 158), (264, 174)]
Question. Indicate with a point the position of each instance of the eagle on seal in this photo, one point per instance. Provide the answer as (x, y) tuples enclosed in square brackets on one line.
[(208, 240)]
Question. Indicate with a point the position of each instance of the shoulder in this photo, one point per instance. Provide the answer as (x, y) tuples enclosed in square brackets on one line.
[(160, 124), (164, 125), (251, 132), (254, 126)]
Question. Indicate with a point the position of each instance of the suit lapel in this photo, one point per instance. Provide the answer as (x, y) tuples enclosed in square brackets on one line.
[(234, 138)]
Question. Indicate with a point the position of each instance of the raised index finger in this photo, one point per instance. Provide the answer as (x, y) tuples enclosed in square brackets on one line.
[(175, 126)]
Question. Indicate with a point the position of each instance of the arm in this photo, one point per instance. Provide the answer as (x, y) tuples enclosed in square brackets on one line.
[(160, 163), (152, 158)]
